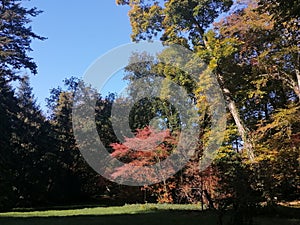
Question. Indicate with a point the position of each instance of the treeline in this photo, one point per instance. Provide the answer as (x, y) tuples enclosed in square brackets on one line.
[(40, 163), (253, 51)]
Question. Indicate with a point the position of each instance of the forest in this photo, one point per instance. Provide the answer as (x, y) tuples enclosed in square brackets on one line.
[(252, 47)]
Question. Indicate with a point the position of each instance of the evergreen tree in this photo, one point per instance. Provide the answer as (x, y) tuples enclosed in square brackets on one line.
[(15, 40), (8, 160)]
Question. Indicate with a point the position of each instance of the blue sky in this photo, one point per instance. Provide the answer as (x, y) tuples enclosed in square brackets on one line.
[(78, 33)]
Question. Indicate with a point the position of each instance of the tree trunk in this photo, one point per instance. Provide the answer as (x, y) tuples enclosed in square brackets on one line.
[(247, 142), (209, 199), (298, 81)]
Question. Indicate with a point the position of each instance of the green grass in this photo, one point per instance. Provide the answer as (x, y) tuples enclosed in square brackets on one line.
[(128, 214), (132, 215), (127, 209)]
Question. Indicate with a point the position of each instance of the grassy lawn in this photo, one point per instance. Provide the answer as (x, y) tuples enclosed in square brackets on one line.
[(128, 214), (97, 211)]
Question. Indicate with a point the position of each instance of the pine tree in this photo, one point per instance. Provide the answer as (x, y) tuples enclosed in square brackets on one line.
[(15, 40), (8, 160)]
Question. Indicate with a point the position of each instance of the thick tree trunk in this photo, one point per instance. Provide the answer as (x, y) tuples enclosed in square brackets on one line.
[(247, 142)]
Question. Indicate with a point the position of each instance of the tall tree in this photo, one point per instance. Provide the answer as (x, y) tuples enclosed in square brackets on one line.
[(268, 52), (31, 143), (72, 179), (8, 112), (185, 23), (15, 40)]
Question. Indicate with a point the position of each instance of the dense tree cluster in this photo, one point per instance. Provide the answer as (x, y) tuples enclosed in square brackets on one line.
[(254, 53)]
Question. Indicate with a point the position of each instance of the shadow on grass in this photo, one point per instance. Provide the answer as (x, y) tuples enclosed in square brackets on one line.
[(280, 211), (159, 216), (279, 215)]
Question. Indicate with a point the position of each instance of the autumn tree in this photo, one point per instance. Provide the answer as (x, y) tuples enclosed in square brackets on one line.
[(185, 23), (147, 148), (254, 53), (271, 99)]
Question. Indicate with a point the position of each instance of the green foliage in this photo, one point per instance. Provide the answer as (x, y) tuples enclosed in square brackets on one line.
[(278, 160), (16, 38), (20, 117), (179, 22)]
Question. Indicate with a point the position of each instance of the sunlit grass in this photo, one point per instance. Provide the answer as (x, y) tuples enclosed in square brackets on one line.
[(127, 209), (139, 214)]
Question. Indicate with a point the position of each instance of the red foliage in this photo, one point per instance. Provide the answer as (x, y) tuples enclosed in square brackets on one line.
[(146, 148), (149, 147)]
